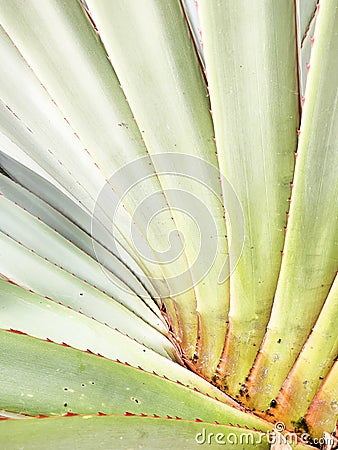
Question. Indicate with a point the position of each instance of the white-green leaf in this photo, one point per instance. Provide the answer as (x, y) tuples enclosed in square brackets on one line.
[(89, 431), (49, 280), (76, 218), (311, 247), (150, 48), (32, 232), (250, 55)]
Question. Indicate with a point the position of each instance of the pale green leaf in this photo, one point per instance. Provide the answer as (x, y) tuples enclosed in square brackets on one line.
[(37, 316), (49, 280), (304, 51), (124, 432), (150, 48), (312, 365), (46, 242), (311, 248), (101, 120), (58, 201), (250, 55), (322, 414), (60, 379)]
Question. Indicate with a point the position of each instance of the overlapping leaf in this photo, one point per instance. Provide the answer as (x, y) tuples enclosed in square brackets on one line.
[(88, 89)]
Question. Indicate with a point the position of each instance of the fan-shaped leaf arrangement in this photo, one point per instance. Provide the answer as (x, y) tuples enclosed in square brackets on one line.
[(168, 228)]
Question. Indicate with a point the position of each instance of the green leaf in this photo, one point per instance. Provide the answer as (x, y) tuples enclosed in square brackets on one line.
[(322, 414), (37, 125), (124, 432), (61, 379), (311, 252), (312, 365), (11, 155), (250, 55), (305, 13), (47, 279), (306, 22), (43, 125), (191, 12), (101, 119), (37, 316), (42, 318), (133, 341), (160, 74), (77, 219), (20, 225)]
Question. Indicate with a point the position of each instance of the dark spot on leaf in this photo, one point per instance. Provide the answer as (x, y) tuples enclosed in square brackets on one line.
[(279, 341), (301, 426), (65, 404), (273, 403)]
